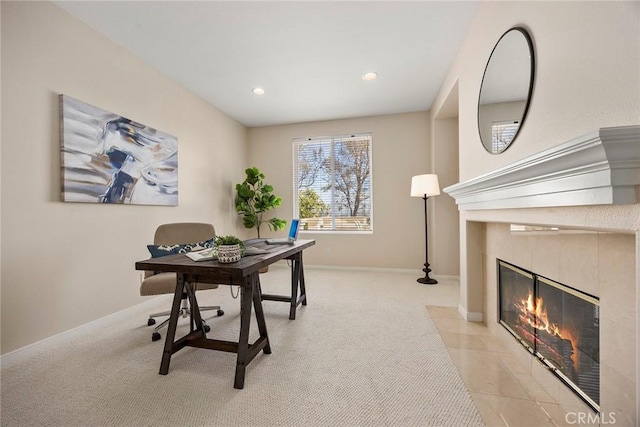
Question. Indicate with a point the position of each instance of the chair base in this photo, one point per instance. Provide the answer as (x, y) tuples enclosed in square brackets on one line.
[(185, 311)]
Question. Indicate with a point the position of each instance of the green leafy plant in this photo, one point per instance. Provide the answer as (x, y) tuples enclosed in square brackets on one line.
[(228, 240), (254, 197), (311, 205)]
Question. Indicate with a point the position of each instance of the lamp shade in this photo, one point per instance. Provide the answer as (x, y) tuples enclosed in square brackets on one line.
[(425, 185)]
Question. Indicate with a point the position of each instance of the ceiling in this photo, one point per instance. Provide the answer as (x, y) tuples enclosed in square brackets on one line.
[(308, 56)]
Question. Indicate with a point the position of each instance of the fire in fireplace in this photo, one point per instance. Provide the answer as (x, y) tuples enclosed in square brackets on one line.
[(558, 324)]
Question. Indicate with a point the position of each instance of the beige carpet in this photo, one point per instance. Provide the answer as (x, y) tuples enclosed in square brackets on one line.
[(364, 352)]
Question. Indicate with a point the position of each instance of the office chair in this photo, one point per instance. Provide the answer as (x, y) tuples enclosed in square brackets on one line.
[(174, 235)]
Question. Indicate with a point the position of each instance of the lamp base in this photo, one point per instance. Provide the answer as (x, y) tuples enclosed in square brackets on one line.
[(426, 280)]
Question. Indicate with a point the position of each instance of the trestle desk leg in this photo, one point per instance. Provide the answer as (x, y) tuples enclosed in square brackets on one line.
[(303, 289), (295, 280), (246, 298), (257, 305), (173, 324), (196, 316)]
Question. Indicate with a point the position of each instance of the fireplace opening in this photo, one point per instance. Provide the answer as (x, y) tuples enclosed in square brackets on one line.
[(558, 324)]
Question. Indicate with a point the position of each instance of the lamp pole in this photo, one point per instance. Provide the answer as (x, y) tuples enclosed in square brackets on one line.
[(425, 185), (426, 279)]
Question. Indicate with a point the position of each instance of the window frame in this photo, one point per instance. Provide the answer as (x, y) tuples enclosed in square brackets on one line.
[(330, 141)]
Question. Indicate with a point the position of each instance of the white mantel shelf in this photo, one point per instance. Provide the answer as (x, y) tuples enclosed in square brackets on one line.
[(601, 168)]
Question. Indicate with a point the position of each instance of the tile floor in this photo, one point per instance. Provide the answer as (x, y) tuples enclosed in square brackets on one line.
[(505, 394)]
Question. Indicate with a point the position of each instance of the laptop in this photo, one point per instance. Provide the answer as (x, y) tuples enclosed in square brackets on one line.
[(289, 240)]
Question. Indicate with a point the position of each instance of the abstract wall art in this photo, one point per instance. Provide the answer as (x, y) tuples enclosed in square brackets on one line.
[(107, 158)]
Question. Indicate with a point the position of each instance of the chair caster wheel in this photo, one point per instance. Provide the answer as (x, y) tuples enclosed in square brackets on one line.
[(220, 313), (151, 321), (206, 328), (155, 336)]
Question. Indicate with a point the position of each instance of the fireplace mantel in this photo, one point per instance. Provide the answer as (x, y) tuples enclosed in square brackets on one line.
[(601, 168)]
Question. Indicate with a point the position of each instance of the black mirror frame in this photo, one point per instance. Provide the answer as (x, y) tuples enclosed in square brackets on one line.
[(529, 40)]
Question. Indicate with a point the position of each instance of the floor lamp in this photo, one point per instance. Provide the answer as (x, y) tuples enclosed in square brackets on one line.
[(425, 186)]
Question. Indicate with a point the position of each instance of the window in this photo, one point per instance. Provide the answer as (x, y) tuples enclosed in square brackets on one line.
[(502, 133), (332, 183)]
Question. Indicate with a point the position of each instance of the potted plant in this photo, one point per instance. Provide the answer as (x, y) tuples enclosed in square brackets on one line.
[(229, 248), (254, 198)]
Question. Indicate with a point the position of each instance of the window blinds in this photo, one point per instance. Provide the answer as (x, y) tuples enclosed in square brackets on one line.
[(332, 183), (502, 133)]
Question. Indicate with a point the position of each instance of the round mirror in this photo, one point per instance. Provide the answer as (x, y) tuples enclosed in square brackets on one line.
[(506, 90)]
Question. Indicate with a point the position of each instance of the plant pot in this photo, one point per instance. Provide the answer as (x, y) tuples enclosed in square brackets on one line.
[(229, 253)]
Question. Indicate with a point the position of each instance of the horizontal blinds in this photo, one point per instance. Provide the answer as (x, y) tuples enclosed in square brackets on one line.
[(502, 133), (332, 183)]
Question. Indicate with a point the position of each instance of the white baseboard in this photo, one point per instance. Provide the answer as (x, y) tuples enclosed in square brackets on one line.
[(469, 316), (446, 277), (352, 268), (418, 273), (14, 356)]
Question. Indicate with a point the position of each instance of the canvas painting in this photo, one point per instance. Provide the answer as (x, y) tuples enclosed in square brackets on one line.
[(107, 158)]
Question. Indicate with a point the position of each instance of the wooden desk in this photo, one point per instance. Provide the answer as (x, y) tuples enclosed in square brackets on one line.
[(243, 273), (297, 279)]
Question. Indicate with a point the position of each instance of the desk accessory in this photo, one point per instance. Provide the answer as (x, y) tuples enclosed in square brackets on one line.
[(202, 255), (290, 239), (229, 249)]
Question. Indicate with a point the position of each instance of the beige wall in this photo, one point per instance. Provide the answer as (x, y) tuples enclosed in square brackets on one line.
[(587, 74), (444, 253), (400, 150), (587, 77), (65, 264)]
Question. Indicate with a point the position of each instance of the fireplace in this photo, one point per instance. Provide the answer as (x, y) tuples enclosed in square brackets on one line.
[(589, 183), (557, 324)]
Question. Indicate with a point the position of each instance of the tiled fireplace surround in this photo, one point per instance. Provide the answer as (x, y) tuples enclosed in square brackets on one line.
[(595, 249), (599, 263)]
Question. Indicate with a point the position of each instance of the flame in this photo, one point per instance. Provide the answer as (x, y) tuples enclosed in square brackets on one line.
[(534, 313)]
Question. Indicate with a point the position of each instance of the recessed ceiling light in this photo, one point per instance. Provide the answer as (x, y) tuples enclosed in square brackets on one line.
[(369, 76), (258, 91)]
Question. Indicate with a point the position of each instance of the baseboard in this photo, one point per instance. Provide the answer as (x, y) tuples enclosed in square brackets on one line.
[(417, 273), (446, 277), (356, 268), (469, 316), (14, 356)]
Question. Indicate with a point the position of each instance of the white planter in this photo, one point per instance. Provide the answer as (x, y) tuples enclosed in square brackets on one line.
[(229, 253)]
